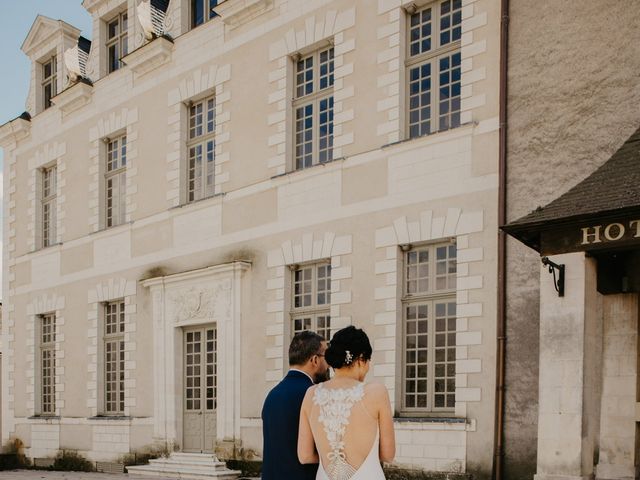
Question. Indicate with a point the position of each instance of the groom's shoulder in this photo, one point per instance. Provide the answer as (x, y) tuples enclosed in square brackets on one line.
[(291, 382)]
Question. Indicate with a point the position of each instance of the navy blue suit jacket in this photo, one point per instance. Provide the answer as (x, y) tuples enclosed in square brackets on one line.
[(280, 420)]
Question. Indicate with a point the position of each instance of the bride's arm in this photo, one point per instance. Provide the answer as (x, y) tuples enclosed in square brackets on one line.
[(385, 422), (306, 446)]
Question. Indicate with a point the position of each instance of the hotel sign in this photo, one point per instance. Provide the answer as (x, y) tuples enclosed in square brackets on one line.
[(612, 232), (596, 235)]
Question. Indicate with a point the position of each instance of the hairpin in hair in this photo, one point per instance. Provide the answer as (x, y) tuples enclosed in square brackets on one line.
[(348, 358)]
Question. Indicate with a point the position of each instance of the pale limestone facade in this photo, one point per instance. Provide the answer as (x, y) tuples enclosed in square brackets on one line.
[(226, 260)]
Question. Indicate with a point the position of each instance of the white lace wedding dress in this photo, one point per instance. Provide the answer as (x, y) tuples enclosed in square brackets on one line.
[(334, 412)]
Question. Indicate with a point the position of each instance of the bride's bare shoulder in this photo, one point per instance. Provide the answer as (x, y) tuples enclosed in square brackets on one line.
[(309, 394), (376, 390)]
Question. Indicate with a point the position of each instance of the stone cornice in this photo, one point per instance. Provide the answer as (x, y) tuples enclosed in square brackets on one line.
[(92, 5), (73, 97), (14, 131), (225, 268), (149, 56), (238, 12)]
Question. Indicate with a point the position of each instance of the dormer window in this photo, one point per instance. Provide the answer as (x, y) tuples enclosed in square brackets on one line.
[(117, 43), (49, 79), (202, 11)]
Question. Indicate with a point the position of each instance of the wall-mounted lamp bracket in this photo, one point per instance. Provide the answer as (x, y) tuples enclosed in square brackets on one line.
[(559, 282)]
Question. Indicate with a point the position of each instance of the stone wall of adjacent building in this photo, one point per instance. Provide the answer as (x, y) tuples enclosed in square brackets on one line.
[(574, 91)]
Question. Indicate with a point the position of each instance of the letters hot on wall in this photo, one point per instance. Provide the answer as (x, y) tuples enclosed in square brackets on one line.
[(593, 235)]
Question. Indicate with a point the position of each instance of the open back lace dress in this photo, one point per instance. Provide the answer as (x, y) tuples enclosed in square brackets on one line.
[(346, 434)]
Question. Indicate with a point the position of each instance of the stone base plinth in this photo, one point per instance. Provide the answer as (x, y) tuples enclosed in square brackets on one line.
[(606, 471), (544, 476)]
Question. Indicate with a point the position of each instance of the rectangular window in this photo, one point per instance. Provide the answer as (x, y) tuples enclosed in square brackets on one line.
[(433, 67), (202, 149), (47, 364), (49, 81), (202, 11), (117, 42), (311, 299), (429, 329), (313, 109), (48, 196), (113, 337), (115, 178)]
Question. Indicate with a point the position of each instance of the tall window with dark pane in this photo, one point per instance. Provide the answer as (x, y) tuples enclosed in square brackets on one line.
[(429, 329), (115, 179), (117, 41), (202, 11), (47, 364), (202, 149), (49, 196), (433, 68), (313, 109), (49, 81), (311, 299), (114, 357)]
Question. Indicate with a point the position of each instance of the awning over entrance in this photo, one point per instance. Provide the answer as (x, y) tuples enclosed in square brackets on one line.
[(600, 213)]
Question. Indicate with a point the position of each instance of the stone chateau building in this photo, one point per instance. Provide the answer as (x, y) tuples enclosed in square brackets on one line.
[(203, 179)]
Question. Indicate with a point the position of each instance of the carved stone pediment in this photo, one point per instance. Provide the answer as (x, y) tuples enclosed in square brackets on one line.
[(202, 302), (43, 31)]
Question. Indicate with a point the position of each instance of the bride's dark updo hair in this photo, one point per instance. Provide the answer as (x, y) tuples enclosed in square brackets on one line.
[(352, 340)]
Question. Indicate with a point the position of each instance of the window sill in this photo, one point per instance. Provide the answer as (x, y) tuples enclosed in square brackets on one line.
[(199, 201), (111, 418), (441, 420), (199, 26), (45, 418), (42, 249), (113, 228), (312, 168), (428, 135)]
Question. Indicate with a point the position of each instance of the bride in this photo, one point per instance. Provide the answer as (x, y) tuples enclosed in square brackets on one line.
[(345, 425)]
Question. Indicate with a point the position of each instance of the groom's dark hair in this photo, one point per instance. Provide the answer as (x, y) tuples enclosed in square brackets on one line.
[(304, 345)]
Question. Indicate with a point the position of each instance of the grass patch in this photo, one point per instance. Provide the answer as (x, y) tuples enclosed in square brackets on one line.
[(396, 473), (249, 468), (71, 461)]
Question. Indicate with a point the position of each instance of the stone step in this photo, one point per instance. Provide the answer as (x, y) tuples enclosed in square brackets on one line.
[(194, 466), (193, 455), (191, 466), (208, 462)]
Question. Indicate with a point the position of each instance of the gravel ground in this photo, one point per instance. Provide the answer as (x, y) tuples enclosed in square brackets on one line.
[(42, 474)]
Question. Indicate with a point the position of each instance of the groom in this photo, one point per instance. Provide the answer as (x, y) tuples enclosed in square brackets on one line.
[(281, 409)]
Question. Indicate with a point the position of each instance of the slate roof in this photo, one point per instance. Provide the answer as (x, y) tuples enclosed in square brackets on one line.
[(84, 44), (614, 187)]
